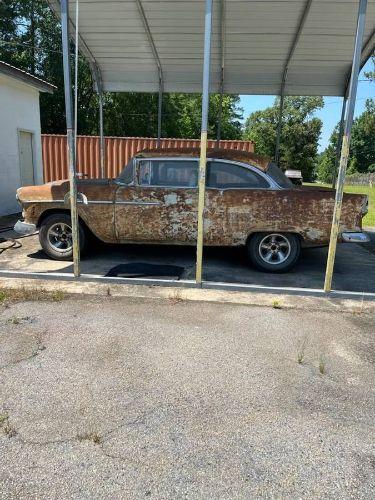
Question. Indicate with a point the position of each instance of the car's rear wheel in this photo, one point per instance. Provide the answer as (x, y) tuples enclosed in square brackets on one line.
[(55, 236), (274, 252)]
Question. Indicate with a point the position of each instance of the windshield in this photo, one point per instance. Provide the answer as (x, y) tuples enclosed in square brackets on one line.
[(279, 177), (126, 176)]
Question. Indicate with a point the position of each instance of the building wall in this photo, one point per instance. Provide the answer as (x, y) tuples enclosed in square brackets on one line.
[(19, 105), (119, 150)]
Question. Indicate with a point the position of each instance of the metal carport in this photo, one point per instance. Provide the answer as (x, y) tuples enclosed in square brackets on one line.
[(285, 47)]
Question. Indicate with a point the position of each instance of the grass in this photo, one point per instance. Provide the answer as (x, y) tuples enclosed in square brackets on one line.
[(276, 304), (8, 296), (369, 219)]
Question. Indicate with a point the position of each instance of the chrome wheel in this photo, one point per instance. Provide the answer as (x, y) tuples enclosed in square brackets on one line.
[(60, 237), (274, 249)]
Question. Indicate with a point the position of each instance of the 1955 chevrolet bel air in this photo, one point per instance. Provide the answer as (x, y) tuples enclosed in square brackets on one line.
[(249, 202)]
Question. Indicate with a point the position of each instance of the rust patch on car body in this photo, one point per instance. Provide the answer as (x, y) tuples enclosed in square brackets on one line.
[(118, 213)]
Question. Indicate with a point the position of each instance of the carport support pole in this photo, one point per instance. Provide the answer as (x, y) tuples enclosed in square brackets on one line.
[(203, 147), (160, 106), (280, 122), (345, 143), (339, 142), (70, 135), (101, 135)]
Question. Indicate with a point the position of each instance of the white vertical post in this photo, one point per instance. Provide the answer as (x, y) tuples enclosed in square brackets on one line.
[(70, 135), (203, 147), (76, 84), (345, 143)]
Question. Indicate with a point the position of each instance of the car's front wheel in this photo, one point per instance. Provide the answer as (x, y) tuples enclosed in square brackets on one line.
[(55, 236), (274, 252)]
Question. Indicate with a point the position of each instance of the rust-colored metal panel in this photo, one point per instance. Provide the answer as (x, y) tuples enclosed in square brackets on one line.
[(119, 150)]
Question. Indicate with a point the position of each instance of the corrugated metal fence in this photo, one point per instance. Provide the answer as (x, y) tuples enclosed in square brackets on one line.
[(119, 150)]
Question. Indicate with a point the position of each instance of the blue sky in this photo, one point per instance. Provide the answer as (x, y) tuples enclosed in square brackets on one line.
[(331, 112)]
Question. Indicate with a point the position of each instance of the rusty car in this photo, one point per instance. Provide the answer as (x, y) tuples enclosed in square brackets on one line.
[(249, 202)]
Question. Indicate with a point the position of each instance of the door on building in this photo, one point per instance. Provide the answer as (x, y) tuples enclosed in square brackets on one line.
[(25, 140)]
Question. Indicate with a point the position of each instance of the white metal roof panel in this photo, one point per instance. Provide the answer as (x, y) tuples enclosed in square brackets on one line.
[(256, 42)]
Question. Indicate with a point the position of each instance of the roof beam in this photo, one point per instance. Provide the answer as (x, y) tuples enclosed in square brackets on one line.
[(296, 39), (151, 41), (367, 50), (291, 52), (222, 64), (55, 6), (158, 64)]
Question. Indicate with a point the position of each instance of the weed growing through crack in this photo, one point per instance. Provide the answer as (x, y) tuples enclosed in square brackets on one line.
[(57, 296), (301, 351), (90, 436), (322, 365), (16, 320), (3, 296), (300, 356), (8, 430), (175, 297), (276, 304)]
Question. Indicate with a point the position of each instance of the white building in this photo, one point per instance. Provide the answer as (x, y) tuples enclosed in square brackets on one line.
[(20, 139)]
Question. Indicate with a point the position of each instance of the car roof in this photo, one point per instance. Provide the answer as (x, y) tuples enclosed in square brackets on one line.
[(261, 162)]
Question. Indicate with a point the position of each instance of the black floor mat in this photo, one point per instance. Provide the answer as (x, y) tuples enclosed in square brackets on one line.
[(145, 270)]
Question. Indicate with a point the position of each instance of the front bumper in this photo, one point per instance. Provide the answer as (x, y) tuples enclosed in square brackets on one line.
[(358, 237), (23, 227)]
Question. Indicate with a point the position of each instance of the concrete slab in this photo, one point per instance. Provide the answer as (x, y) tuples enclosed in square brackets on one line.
[(354, 269), (104, 398)]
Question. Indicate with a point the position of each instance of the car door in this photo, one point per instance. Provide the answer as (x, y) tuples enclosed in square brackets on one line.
[(235, 195), (160, 205)]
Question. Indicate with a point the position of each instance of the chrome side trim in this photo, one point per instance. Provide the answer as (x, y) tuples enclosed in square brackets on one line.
[(100, 202), (358, 237), (85, 202), (147, 203), (42, 201)]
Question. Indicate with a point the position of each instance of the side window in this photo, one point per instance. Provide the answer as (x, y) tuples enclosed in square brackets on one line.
[(168, 173), (222, 175)]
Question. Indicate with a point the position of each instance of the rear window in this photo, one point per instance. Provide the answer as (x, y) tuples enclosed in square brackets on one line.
[(279, 177)]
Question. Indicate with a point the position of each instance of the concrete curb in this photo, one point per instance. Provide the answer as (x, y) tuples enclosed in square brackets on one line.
[(177, 294)]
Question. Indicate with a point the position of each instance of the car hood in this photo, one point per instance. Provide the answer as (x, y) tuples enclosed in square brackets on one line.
[(56, 190)]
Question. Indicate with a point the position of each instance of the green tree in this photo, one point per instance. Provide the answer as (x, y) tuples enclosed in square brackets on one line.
[(362, 146), (371, 74), (299, 136)]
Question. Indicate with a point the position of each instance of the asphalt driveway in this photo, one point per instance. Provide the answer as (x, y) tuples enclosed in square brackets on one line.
[(131, 398), (354, 268)]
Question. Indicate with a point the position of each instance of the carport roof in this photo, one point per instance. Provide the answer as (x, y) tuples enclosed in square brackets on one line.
[(255, 41)]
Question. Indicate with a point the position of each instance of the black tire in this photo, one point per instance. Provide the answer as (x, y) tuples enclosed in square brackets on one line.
[(273, 252), (57, 247)]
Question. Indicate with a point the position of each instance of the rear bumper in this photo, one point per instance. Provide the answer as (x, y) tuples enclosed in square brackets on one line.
[(23, 227), (358, 237)]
